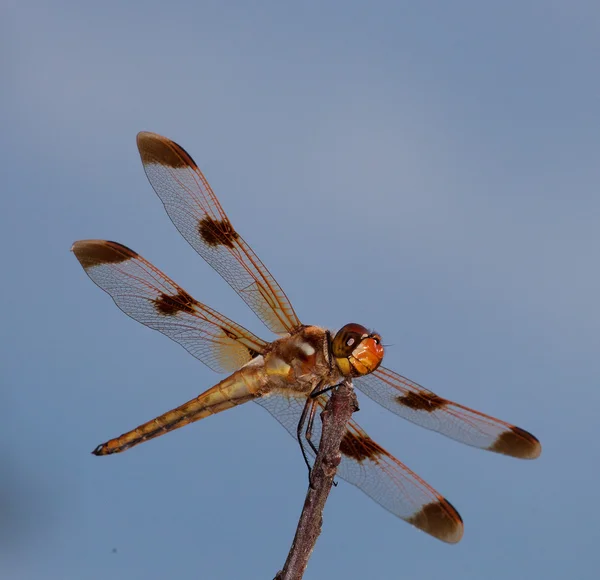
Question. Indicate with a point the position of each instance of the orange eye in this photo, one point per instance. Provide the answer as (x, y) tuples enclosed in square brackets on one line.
[(367, 356), (356, 350)]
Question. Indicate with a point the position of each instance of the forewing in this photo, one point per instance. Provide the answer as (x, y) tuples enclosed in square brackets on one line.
[(373, 470), (199, 217), (143, 292), (423, 407)]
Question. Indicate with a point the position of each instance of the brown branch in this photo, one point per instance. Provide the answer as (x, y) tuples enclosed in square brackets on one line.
[(335, 417)]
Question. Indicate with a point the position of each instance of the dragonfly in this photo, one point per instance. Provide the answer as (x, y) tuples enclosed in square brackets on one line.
[(291, 376)]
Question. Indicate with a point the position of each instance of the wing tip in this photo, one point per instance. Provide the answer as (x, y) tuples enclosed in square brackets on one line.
[(439, 519), (158, 150), (146, 137), (517, 442), (144, 134), (92, 253)]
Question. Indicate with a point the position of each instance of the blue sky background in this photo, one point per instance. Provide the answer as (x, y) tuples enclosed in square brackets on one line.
[(428, 169)]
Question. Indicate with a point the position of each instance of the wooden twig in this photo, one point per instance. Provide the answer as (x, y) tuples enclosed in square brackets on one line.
[(335, 417)]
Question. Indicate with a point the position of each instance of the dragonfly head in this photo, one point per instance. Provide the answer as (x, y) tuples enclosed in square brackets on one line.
[(356, 350)]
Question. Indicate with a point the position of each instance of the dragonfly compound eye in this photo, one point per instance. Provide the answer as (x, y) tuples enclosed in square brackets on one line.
[(356, 350)]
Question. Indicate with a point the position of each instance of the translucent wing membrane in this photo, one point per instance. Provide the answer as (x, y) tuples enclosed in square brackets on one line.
[(199, 217), (423, 407), (152, 298), (373, 470)]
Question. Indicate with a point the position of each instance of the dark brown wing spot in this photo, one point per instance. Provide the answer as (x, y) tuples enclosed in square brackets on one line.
[(517, 442), (427, 402), (440, 519), (217, 233), (92, 253), (163, 151), (233, 336), (168, 305), (359, 447)]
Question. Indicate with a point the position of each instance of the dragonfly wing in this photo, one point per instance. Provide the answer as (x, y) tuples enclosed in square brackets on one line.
[(372, 469), (147, 295), (423, 407), (197, 214)]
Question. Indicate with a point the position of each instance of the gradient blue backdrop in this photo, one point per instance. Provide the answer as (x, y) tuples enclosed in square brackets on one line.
[(428, 169)]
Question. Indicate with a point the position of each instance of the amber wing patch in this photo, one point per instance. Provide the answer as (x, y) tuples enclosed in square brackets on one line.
[(253, 353)]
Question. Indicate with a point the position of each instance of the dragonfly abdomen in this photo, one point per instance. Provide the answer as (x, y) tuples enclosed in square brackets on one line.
[(241, 387)]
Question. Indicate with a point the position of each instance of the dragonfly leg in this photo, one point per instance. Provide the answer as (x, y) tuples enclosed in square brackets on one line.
[(316, 393), (299, 432), (309, 412), (309, 409)]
